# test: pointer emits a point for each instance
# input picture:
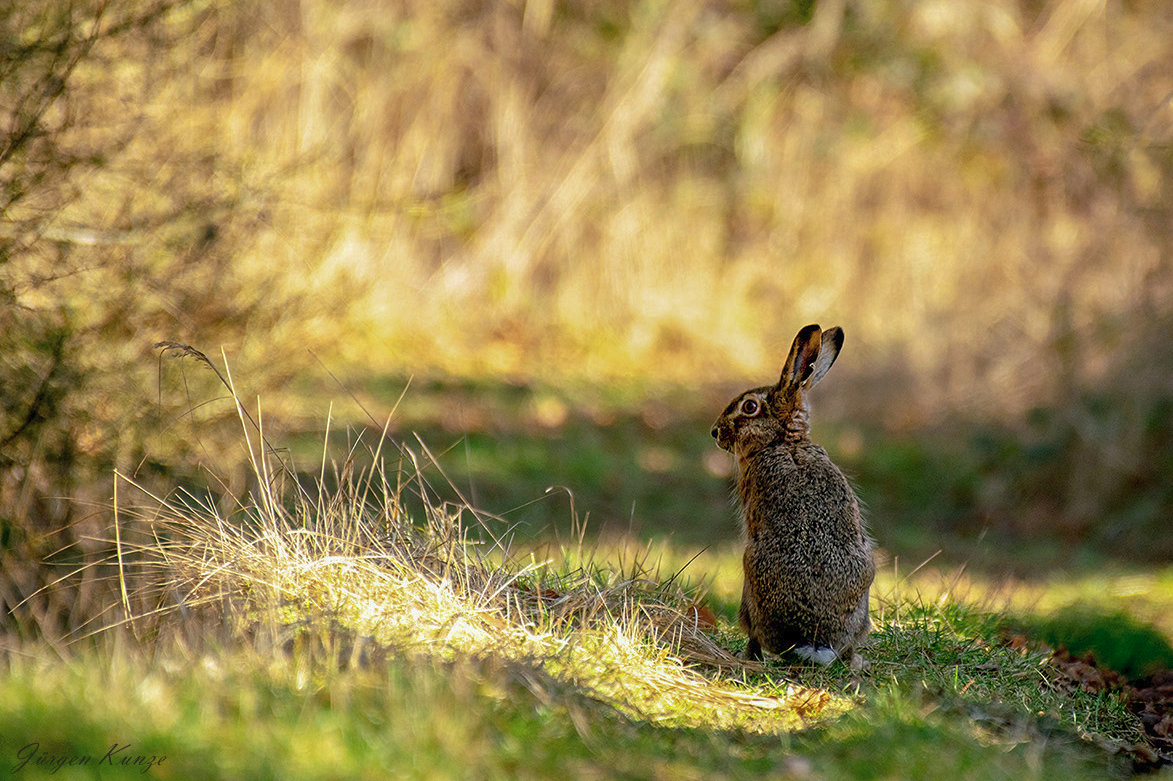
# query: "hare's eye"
(750, 407)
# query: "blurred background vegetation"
(572, 230)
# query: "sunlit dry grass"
(300, 566)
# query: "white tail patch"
(820, 655)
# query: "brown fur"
(808, 559)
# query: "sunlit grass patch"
(657, 687)
(299, 563)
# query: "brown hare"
(808, 559)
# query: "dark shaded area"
(1150, 698)
(543, 459)
(1117, 640)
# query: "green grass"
(1116, 638)
(234, 713)
(332, 635)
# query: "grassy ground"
(329, 633)
(233, 714)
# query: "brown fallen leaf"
(702, 615)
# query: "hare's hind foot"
(753, 651)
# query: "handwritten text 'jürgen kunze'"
(117, 756)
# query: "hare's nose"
(713, 431)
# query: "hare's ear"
(832, 344)
(801, 361)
